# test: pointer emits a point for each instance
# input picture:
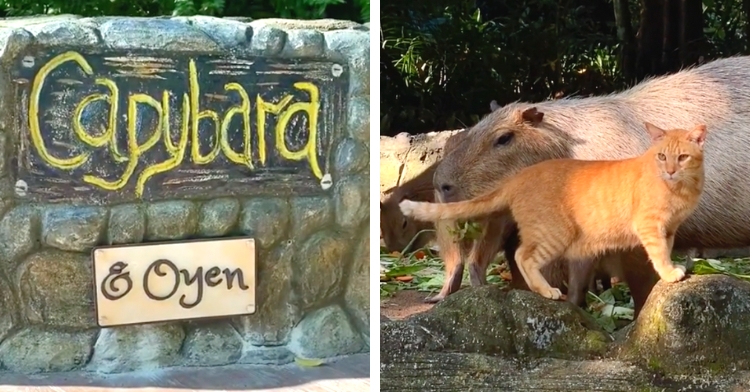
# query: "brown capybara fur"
(398, 230)
(716, 94)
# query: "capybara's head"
(505, 141)
(398, 230)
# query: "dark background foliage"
(443, 61)
(356, 10)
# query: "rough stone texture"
(352, 201)
(358, 124)
(476, 372)
(701, 323)
(304, 44)
(358, 299)
(275, 314)
(39, 349)
(127, 224)
(267, 40)
(325, 333)
(171, 220)
(155, 34)
(306, 242)
(350, 157)
(74, 229)
(63, 32)
(56, 289)
(256, 355)
(489, 320)
(19, 234)
(9, 311)
(212, 344)
(218, 217)
(319, 268)
(227, 33)
(141, 347)
(265, 219)
(404, 156)
(310, 214)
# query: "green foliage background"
(357, 10)
(443, 61)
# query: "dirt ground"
(403, 304)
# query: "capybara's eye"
(683, 157)
(504, 139)
(405, 223)
(662, 157)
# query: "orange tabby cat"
(577, 209)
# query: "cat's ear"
(655, 132)
(529, 116)
(494, 106)
(697, 135)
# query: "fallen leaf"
(396, 253)
(405, 279)
(308, 362)
(506, 276)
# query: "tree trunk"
(625, 34)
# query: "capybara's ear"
(529, 116)
(698, 135)
(655, 132)
(494, 106)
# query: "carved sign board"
(112, 126)
(145, 283)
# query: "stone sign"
(115, 126)
(137, 284)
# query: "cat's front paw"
(676, 275)
(408, 207)
(553, 293)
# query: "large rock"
(701, 323)
(218, 217)
(127, 224)
(142, 347)
(171, 220)
(319, 268)
(266, 220)
(19, 234)
(211, 344)
(56, 289)
(325, 333)
(275, 314)
(39, 349)
(358, 287)
(490, 320)
(76, 229)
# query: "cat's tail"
(479, 206)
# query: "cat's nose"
(670, 171)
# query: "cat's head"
(678, 152)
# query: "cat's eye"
(683, 157)
(504, 139)
(662, 157)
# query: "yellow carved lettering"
(263, 108)
(35, 132)
(135, 150)
(176, 152)
(244, 110)
(309, 151)
(110, 134)
(197, 115)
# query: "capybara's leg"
(450, 252)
